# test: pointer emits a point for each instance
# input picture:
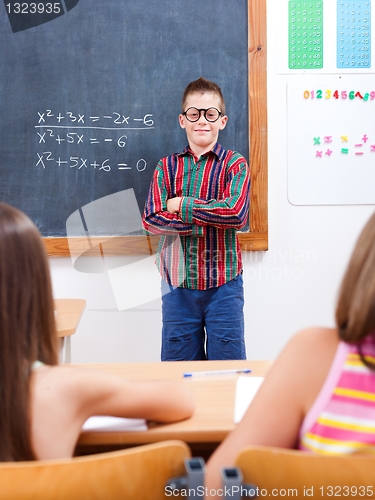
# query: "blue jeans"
(203, 324)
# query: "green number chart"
(306, 34)
(354, 34)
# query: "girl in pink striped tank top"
(342, 418)
(319, 395)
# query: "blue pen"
(217, 372)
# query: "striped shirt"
(199, 247)
(342, 418)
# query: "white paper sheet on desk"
(246, 388)
(114, 424)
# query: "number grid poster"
(324, 36)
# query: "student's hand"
(173, 205)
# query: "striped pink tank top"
(342, 418)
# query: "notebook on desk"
(114, 424)
(246, 388)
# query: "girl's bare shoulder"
(316, 340)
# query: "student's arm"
(231, 210)
(278, 409)
(157, 217)
(100, 393)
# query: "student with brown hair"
(200, 198)
(319, 395)
(43, 405)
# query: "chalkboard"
(90, 94)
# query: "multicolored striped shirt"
(342, 418)
(199, 246)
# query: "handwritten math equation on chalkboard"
(54, 130)
(311, 24)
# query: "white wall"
(291, 286)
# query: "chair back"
(306, 474)
(134, 474)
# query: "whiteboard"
(331, 141)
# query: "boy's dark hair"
(201, 86)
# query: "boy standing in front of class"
(198, 200)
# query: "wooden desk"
(213, 417)
(68, 313)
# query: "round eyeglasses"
(210, 114)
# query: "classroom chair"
(292, 473)
(134, 474)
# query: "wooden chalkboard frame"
(257, 237)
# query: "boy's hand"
(173, 205)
